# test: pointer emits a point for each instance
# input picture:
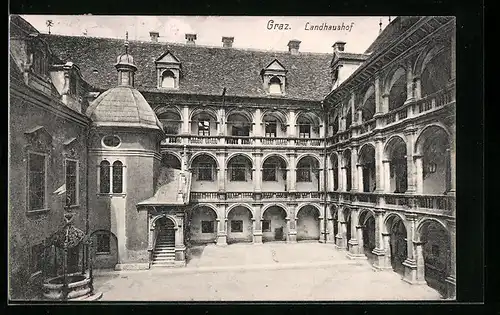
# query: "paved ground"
(269, 272)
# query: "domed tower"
(123, 160)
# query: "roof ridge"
(190, 45)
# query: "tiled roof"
(351, 56)
(122, 107)
(205, 70)
(22, 24)
(395, 29)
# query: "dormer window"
(168, 69)
(274, 86)
(168, 79)
(274, 78)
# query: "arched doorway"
(239, 171)
(240, 225)
(202, 225)
(367, 220)
(204, 123)
(396, 154)
(308, 223)
(367, 162)
(274, 224)
(165, 232)
(398, 243)
(239, 124)
(437, 254)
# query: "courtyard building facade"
(178, 145)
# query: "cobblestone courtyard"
(286, 272)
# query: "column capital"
(360, 226)
(385, 234)
(419, 243)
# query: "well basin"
(78, 286)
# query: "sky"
(248, 31)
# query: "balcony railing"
(274, 141)
(308, 142)
(203, 140)
(196, 196)
(368, 126)
(435, 100)
(275, 195)
(432, 202)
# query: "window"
(117, 177)
(274, 86)
(203, 128)
(237, 226)
(103, 243)
(304, 131)
(71, 182)
(104, 177)
(205, 172)
(242, 130)
(270, 128)
(207, 226)
(238, 172)
(36, 179)
(168, 79)
(266, 226)
(304, 174)
(36, 258)
(269, 173)
(111, 141)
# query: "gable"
(167, 58)
(275, 65)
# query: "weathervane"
(49, 23)
(126, 42)
(380, 26)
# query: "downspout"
(325, 171)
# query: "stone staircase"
(164, 252)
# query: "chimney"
(190, 38)
(154, 36)
(293, 46)
(227, 42)
(338, 46)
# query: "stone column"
(340, 176)
(292, 173)
(419, 174)
(414, 266)
(331, 236)
(378, 97)
(322, 229)
(352, 105)
(257, 223)
(321, 173)
(257, 181)
(360, 117)
(180, 248)
(361, 248)
(385, 103)
(343, 234)
(343, 178)
(379, 165)
(287, 220)
(354, 241)
(257, 122)
(221, 232)
(418, 88)
(382, 249)
(359, 171)
(354, 171)
(329, 180)
(387, 176)
(291, 124)
(410, 166)
(409, 83)
(185, 120)
(221, 176)
(291, 224)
